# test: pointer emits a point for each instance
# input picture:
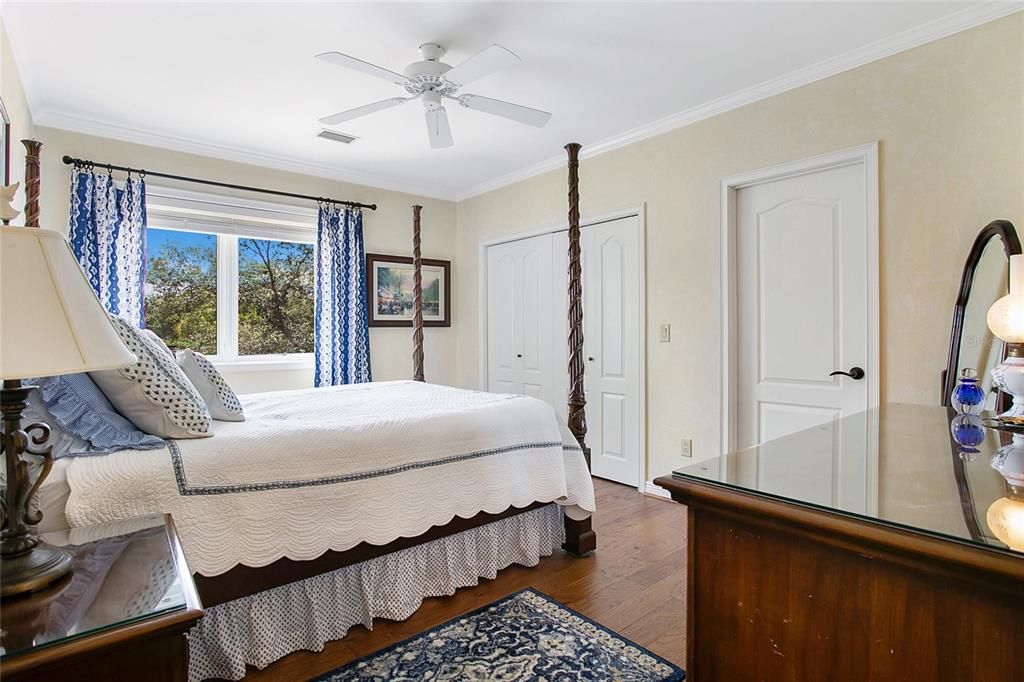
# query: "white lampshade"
(50, 320)
(1006, 521)
(1006, 316)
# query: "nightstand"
(122, 613)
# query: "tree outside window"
(181, 289)
(274, 291)
(275, 297)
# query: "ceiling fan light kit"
(432, 81)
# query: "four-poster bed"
(245, 582)
(580, 538)
(417, 298)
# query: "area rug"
(525, 636)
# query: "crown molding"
(940, 28)
(49, 118)
(948, 25)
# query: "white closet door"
(519, 317)
(502, 364)
(611, 318)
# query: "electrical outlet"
(686, 449)
(665, 333)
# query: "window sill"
(265, 363)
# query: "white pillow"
(153, 338)
(154, 394)
(220, 399)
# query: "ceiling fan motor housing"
(431, 100)
(428, 75)
(432, 51)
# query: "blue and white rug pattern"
(525, 636)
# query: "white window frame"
(227, 219)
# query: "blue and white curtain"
(341, 325)
(108, 237)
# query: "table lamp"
(50, 323)
(1005, 516)
(1006, 320)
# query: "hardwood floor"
(635, 584)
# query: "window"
(275, 297)
(181, 289)
(230, 280)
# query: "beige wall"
(949, 117)
(950, 123)
(13, 97)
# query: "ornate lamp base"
(32, 570)
(26, 564)
(1008, 377)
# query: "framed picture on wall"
(389, 291)
(5, 146)
(5, 149)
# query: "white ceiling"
(239, 80)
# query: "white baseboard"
(656, 490)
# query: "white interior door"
(802, 304)
(611, 320)
(519, 320)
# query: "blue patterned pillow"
(75, 405)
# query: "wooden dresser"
(859, 550)
(122, 614)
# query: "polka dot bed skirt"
(261, 628)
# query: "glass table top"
(122, 572)
(897, 465)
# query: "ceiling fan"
(433, 81)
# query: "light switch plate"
(686, 448)
(665, 333)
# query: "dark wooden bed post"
(32, 182)
(417, 298)
(579, 535)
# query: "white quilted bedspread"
(325, 469)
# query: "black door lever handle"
(855, 373)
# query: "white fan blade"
(438, 130)
(364, 67)
(516, 112)
(350, 114)
(482, 64)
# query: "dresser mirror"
(985, 279)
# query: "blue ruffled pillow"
(83, 420)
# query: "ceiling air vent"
(336, 137)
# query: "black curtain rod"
(111, 167)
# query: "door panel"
(502, 372)
(801, 282)
(519, 319)
(798, 339)
(778, 419)
(613, 361)
(534, 345)
(534, 391)
(611, 321)
(613, 425)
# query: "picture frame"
(389, 281)
(5, 146)
(5, 149)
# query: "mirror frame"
(1005, 230)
